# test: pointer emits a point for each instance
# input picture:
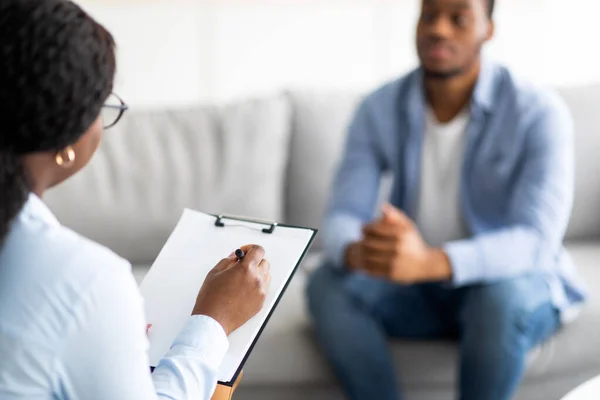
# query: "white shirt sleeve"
(106, 355)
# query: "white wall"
(180, 52)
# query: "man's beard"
(444, 75)
(457, 71)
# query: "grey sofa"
(274, 158)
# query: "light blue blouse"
(72, 323)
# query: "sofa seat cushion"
(139, 272)
(287, 352)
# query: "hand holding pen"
(236, 289)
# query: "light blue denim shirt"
(517, 179)
(72, 323)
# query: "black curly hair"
(57, 68)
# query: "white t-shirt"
(439, 211)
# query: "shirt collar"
(483, 95)
(35, 208)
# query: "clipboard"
(197, 243)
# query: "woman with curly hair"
(71, 318)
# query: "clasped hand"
(392, 248)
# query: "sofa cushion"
(575, 350)
(153, 164)
(584, 104)
(319, 128)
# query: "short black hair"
(491, 4)
(57, 67)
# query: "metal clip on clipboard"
(270, 229)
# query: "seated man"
(470, 245)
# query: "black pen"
(239, 253)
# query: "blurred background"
(180, 52)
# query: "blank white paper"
(193, 249)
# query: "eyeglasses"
(113, 110)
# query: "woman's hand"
(235, 291)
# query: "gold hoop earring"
(65, 158)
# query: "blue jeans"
(496, 324)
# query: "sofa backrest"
(319, 125)
(319, 132)
(273, 158)
(155, 163)
(584, 103)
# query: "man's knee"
(504, 307)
